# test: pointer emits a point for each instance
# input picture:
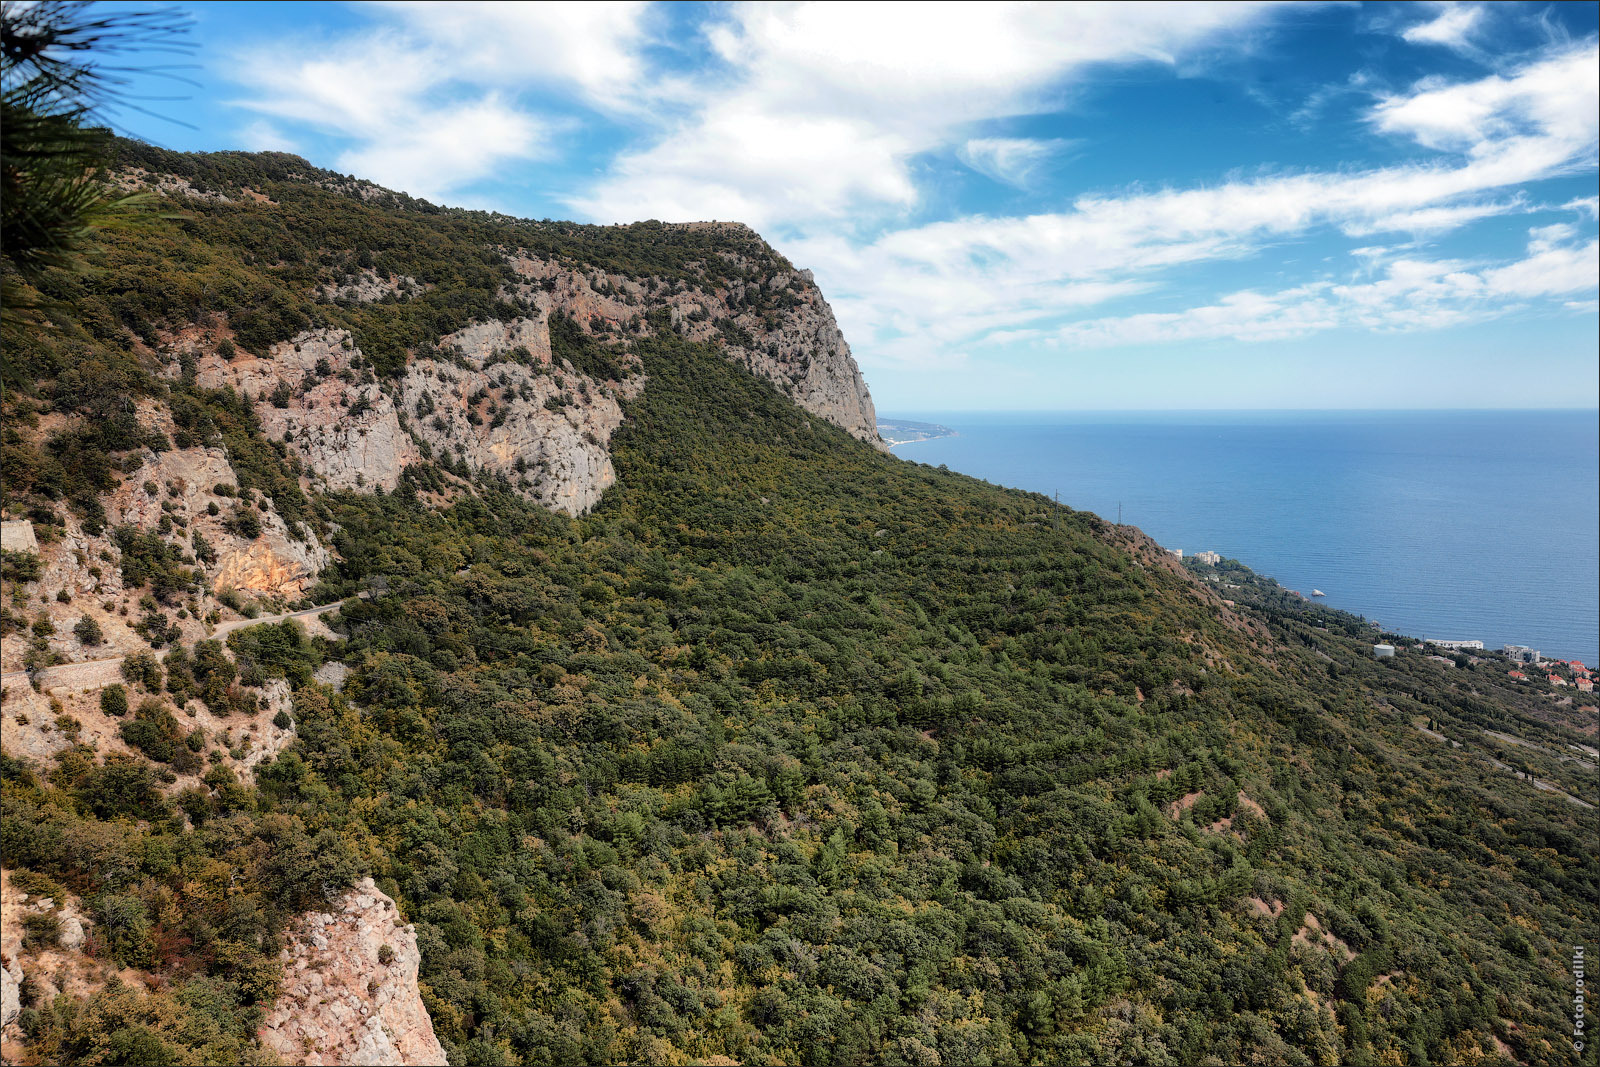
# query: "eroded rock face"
(492, 400)
(170, 494)
(369, 286)
(48, 969)
(309, 393)
(275, 563)
(799, 347)
(341, 1003)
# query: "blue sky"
(1135, 206)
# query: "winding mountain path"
(105, 671)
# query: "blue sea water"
(1447, 525)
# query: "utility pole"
(1119, 513)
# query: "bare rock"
(276, 563)
(798, 348)
(340, 1003)
(369, 286)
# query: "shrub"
(88, 631)
(20, 566)
(40, 928)
(141, 668)
(244, 522)
(114, 699)
(155, 732)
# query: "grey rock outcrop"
(796, 344)
(345, 1000)
(492, 399)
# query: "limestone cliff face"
(778, 326)
(173, 494)
(489, 395)
(345, 999)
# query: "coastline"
(1393, 514)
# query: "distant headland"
(904, 431)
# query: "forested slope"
(788, 751)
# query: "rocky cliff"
(775, 322)
(350, 988)
(489, 396)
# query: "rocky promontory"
(350, 988)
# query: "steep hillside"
(678, 722)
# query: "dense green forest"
(790, 752)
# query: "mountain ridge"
(777, 749)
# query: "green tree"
(56, 89)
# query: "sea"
(1448, 525)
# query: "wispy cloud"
(1411, 295)
(820, 110)
(428, 100)
(1010, 160)
(1454, 27)
(817, 123)
(981, 281)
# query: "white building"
(1383, 651)
(1458, 645)
(1209, 558)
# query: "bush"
(40, 928)
(114, 699)
(141, 668)
(147, 559)
(155, 732)
(88, 631)
(244, 522)
(20, 566)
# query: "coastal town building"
(1517, 676)
(1523, 654)
(1175, 552)
(1209, 558)
(1585, 685)
(1383, 651)
(1458, 645)
(1556, 679)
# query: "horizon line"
(1255, 410)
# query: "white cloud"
(813, 122)
(1010, 160)
(1586, 205)
(979, 281)
(592, 49)
(840, 98)
(453, 147)
(1411, 295)
(1553, 98)
(428, 101)
(263, 136)
(1553, 267)
(1434, 219)
(1452, 28)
